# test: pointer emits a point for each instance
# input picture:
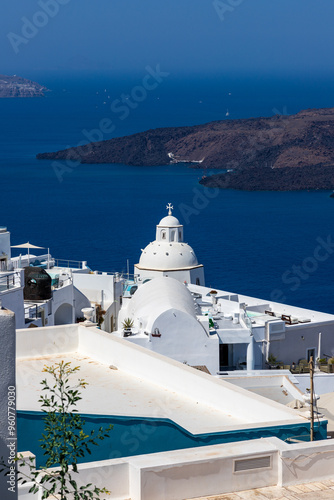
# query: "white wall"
(5, 244)
(181, 474)
(294, 347)
(60, 297)
(306, 462)
(184, 339)
(102, 289)
(267, 381)
(323, 382)
(80, 301)
(7, 397)
(92, 284)
(210, 470)
(46, 341)
(188, 275)
(13, 300)
(201, 472)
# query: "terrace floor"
(320, 490)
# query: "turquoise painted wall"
(137, 436)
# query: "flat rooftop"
(116, 392)
(301, 314)
(129, 380)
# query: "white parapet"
(8, 448)
(209, 470)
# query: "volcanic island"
(279, 153)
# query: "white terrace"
(126, 379)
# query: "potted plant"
(127, 325)
(321, 362)
(331, 365)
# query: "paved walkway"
(320, 490)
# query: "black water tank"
(37, 284)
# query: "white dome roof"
(163, 256)
(159, 295)
(169, 221)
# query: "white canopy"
(26, 245)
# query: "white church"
(168, 309)
(169, 255)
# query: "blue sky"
(183, 36)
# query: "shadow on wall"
(64, 315)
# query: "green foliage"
(127, 323)
(64, 441)
(331, 361)
(272, 359)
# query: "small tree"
(64, 441)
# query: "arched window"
(197, 281)
(163, 235)
(173, 236)
(180, 236)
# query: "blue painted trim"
(142, 435)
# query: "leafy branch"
(63, 441)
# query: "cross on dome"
(169, 208)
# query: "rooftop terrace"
(125, 379)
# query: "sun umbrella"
(28, 246)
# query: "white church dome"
(169, 221)
(169, 255)
(159, 295)
(165, 256)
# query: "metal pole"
(312, 398)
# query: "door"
(223, 355)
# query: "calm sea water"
(248, 241)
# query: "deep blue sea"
(257, 243)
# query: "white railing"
(9, 281)
(24, 261)
(72, 264)
(62, 281)
(31, 312)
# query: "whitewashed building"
(65, 300)
(221, 330)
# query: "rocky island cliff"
(15, 86)
(280, 152)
